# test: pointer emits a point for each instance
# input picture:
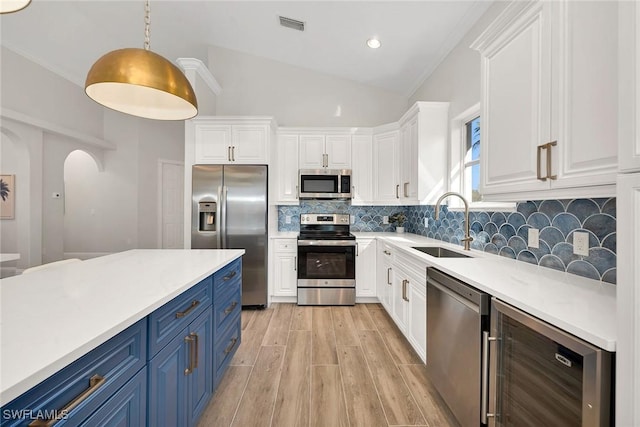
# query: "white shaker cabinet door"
(365, 271)
(386, 186)
(361, 174)
(250, 144)
(285, 273)
(212, 143)
(629, 89)
(338, 151)
(311, 152)
(516, 90)
(417, 317)
(287, 169)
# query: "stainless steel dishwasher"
(457, 316)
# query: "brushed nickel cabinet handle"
(227, 350)
(230, 308)
(397, 191)
(181, 314)
(189, 339)
(406, 191)
(230, 276)
(388, 275)
(95, 382)
(548, 147)
(539, 149)
(233, 153)
(387, 252)
(406, 294)
(229, 153)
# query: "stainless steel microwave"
(325, 184)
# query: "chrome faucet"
(467, 238)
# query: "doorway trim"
(161, 163)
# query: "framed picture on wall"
(7, 196)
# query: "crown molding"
(194, 64)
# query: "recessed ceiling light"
(373, 43)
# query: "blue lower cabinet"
(128, 407)
(180, 376)
(77, 391)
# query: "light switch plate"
(533, 240)
(426, 222)
(352, 219)
(385, 219)
(287, 219)
(581, 243)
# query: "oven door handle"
(326, 242)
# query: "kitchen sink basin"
(440, 252)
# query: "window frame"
(457, 164)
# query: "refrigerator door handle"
(218, 218)
(223, 225)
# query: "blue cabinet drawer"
(225, 347)
(85, 384)
(128, 407)
(227, 308)
(174, 316)
(230, 275)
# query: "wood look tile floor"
(324, 366)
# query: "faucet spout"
(467, 237)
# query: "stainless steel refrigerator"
(229, 211)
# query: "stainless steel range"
(326, 260)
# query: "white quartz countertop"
(50, 318)
(583, 307)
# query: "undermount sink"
(440, 252)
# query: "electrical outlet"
(426, 222)
(352, 219)
(287, 219)
(533, 240)
(385, 219)
(581, 243)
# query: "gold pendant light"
(9, 6)
(141, 83)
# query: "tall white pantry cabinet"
(628, 218)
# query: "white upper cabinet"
(220, 140)
(549, 101)
(286, 170)
(629, 87)
(361, 170)
(325, 151)
(386, 176)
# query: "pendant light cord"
(147, 24)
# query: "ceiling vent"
(291, 23)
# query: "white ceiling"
(68, 36)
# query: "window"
(471, 161)
(465, 162)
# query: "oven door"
(326, 263)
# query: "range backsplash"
(502, 233)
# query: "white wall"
(457, 78)
(296, 96)
(126, 186)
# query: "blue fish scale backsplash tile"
(501, 233)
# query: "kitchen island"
(50, 318)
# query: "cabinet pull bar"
(230, 276)
(181, 314)
(233, 153)
(357, 251)
(189, 339)
(197, 349)
(295, 263)
(388, 275)
(230, 308)
(229, 153)
(387, 252)
(95, 382)
(406, 192)
(397, 191)
(549, 153)
(539, 149)
(227, 350)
